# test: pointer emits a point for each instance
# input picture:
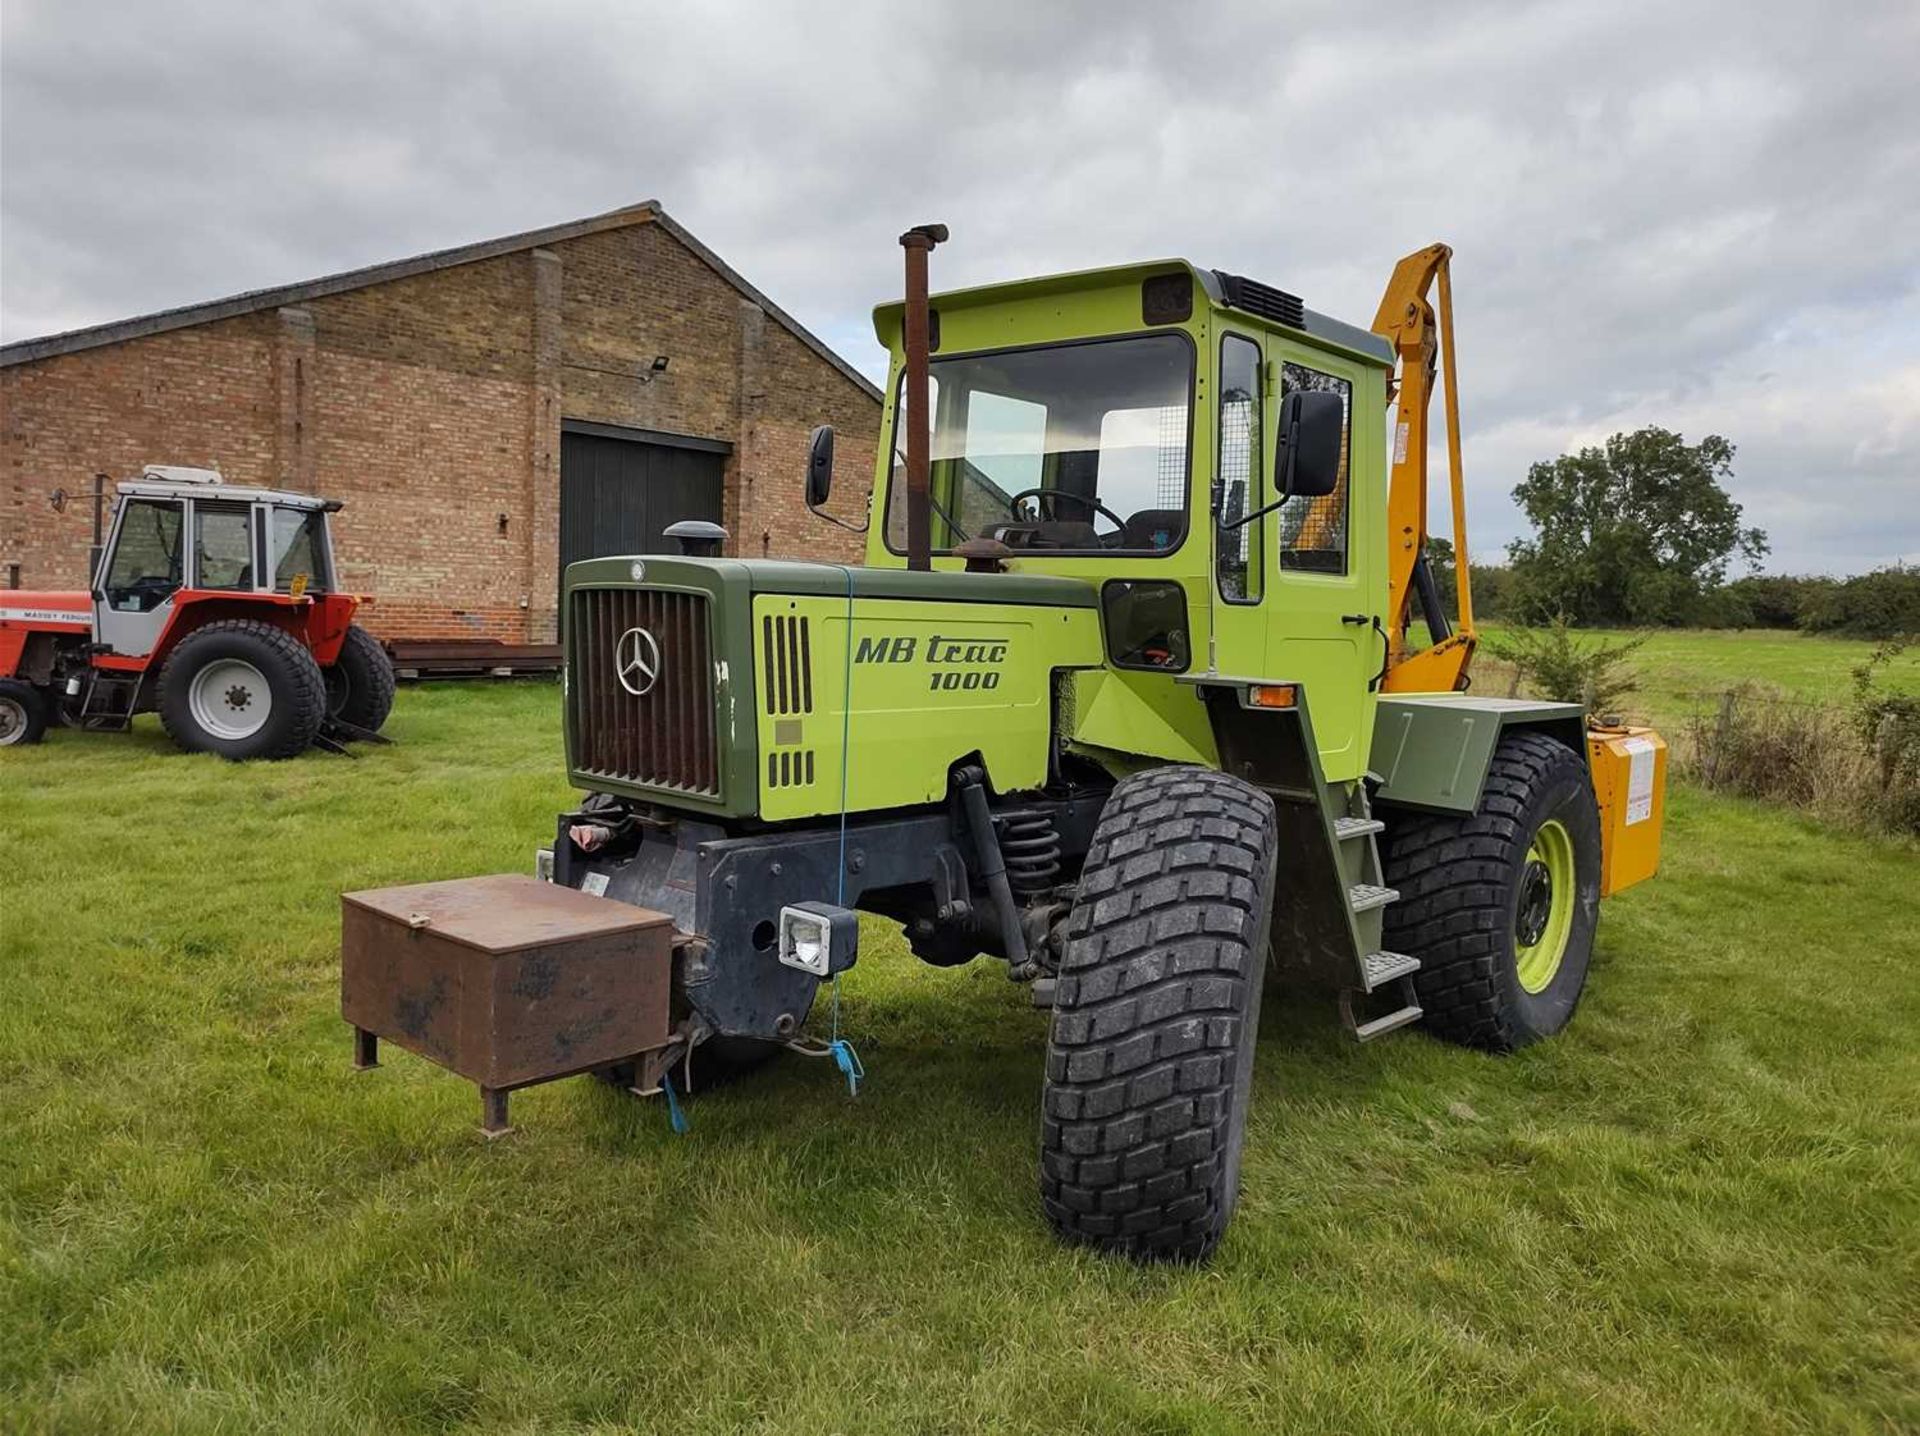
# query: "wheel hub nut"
(1536, 903)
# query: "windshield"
(1072, 448)
(300, 550)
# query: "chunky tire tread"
(1454, 876)
(1154, 1015)
(305, 695)
(33, 707)
(369, 681)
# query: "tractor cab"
(180, 534)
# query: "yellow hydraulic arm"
(1407, 321)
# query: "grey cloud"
(1652, 205)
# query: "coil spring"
(1031, 849)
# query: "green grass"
(1695, 1211)
(1682, 671)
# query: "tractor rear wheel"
(23, 713)
(242, 689)
(1155, 1011)
(1500, 906)
(360, 682)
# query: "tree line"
(1640, 532)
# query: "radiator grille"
(662, 738)
(786, 648)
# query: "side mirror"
(819, 466)
(1306, 456)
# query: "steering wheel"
(150, 590)
(1039, 491)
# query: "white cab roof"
(160, 482)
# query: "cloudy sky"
(1700, 215)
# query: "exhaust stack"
(918, 243)
(94, 550)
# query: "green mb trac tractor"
(1144, 689)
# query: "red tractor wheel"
(242, 689)
(23, 713)
(360, 682)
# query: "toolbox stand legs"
(493, 1112)
(493, 1100)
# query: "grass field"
(1683, 671)
(1696, 1211)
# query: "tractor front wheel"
(242, 689)
(23, 713)
(1500, 906)
(1155, 1011)
(360, 682)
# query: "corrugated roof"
(26, 351)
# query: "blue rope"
(844, 1057)
(675, 1117)
(848, 1061)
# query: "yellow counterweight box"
(1630, 784)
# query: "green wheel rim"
(1543, 913)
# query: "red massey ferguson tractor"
(214, 605)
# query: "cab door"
(139, 575)
(1242, 451)
(1323, 612)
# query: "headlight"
(818, 937)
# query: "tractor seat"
(1154, 528)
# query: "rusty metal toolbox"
(506, 980)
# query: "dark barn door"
(618, 494)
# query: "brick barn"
(487, 414)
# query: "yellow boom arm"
(1407, 321)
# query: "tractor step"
(1366, 1024)
(1383, 967)
(1381, 1026)
(1364, 897)
(106, 703)
(1346, 829)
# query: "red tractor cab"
(214, 605)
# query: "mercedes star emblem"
(636, 661)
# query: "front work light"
(818, 937)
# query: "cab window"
(1238, 487)
(1071, 448)
(1313, 531)
(223, 545)
(146, 556)
(1006, 439)
(298, 550)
